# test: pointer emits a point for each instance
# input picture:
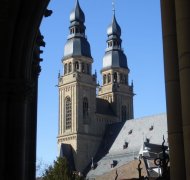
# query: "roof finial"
(113, 7)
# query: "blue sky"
(140, 22)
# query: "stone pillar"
(19, 129)
(173, 98)
(118, 77)
(73, 67)
(112, 77)
(80, 66)
(183, 39)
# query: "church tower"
(77, 95)
(116, 88)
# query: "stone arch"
(21, 41)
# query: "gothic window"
(123, 113)
(104, 79)
(68, 116)
(109, 78)
(83, 68)
(77, 65)
(70, 67)
(65, 69)
(85, 107)
(72, 31)
(115, 77)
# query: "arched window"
(65, 69)
(85, 107)
(104, 79)
(76, 65)
(88, 68)
(123, 113)
(115, 77)
(68, 113)
(70, 67)
(126, 79)
(109, 78)
(83, 69)
(77, 30)
(121, 78)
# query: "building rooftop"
(128, 139)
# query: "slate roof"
(114, 58)
(77, 46)
(134, 133)
(114, 28)
(77, 14)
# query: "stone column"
(80, 66)
(112, 77)
(18, 102)
(183, 39)
(118, 77)
(73, 67)
(173, 98)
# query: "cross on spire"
(113, 6)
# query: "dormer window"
(151, 128)
(125, 146)
(130, 132)
(113, 163)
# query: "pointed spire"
(77, 14)
(114, 28)
(77, 44)
(114, 56)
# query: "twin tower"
(83, 115)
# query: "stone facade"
(83, 116)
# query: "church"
(83, 115)
(20, 69)
(87, 109)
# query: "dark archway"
(20, 41)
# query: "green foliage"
(60, 171)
